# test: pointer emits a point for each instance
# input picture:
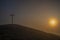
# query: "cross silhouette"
(12, 15)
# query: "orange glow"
(53, 22)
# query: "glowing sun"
(53, 22)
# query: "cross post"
(12, 15)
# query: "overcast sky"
(34, 14)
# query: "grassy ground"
(18, 32)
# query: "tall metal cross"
(12, 15)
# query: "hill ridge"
(14, 31)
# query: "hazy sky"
(34, 14)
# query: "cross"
(12, 15)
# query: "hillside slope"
(18, 32)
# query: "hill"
(18, 32)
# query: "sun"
(53, 22)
